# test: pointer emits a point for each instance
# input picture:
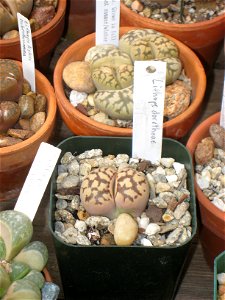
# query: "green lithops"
(21, 261)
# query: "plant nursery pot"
(44, 39)
(219, 267)
(80, 124)
(16, 159)
(205, 37)
(213, 219)
(121, 271)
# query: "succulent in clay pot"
(21, 261)
(9, 10)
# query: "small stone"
(71, 235)
(217, 133)
(12, 34)
(59, 226)
(171, 178)
(81, 226)
(204, 151)
(6, 141)
(121, 158)
(152, 229)
(180, 210)
(93, 235)
(20, 133)
(162, 187)
(186, 219)
(168, 216)
(73, 167)
(143, 222)
(26, 104)
(67, 158)
(219, 203)
(146, 242)
(61, 204)
(9, 114)
(77, 75)
(64, 216)
(173, 236)
(24, 124)
(40, 103)
(70, 181)
(98, 222)
(126, 230)
(178, 167)
(154, 213)
(77, 97)
(50, 291)
(202, 181)
(107, 239)
(90, 100)
(90, 154)
(43, 15)
(221, 278)
(37, 120)
(138, 6)
(167, 162)
(85, 169)
(83, 240)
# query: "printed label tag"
(222, 114)
(27, 53)
(148, 98)
(37, 179)
(107, 22)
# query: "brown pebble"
(9, 114)
(172, 204)
(8, 141)
(82, 215)
(11, 34)
(154, 213)
(37, 121)
(26, 87)
(24, 124)
(143, 165)
(26, 104)
(20, 133)
(107, 239)
(204, 151)
(40, 103)
(82, 109)
(217, 133)
(138, 6)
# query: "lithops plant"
(108, 192)
(9, 10)
(21, 261)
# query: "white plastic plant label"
(148, 98)
(222, 114)
(37, 179)
(107, 22)
(27, 52)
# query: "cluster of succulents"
(22, 111)
(21, 261)
(39, 12)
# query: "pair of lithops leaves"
(109, 192)
(21, 261)
(9, 10)
(112, 68)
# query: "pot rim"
(51, 114)
(63, 102)
(61, 10)
(174, 26)
(191, 145)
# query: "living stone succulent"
(9, 10)
(21, 261)
(108, 192)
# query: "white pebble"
(167, 162)
(202, 182)
(221, 278)
(146, 242)
(171, 178)
(77, 97)
(143, 222)
(219, 203)
(80, 225)
(178, 167)
(152, 229)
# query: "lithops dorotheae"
(106, 192)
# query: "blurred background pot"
(16, 160)
(80, 124)
(205, 37)
(44, 40)
(219, 267)
(213, 219)
(121, 271)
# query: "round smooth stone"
(126, 230)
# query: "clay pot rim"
(62, 100)
(57, 18)
(174, 26)
(191, 145)
(51, 113)
(47, 275)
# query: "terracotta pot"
(44, 39)
(205, 38)
(16, 159)
(213, 219)
(83, 125)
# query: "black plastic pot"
(114, 272)
(219, 267)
